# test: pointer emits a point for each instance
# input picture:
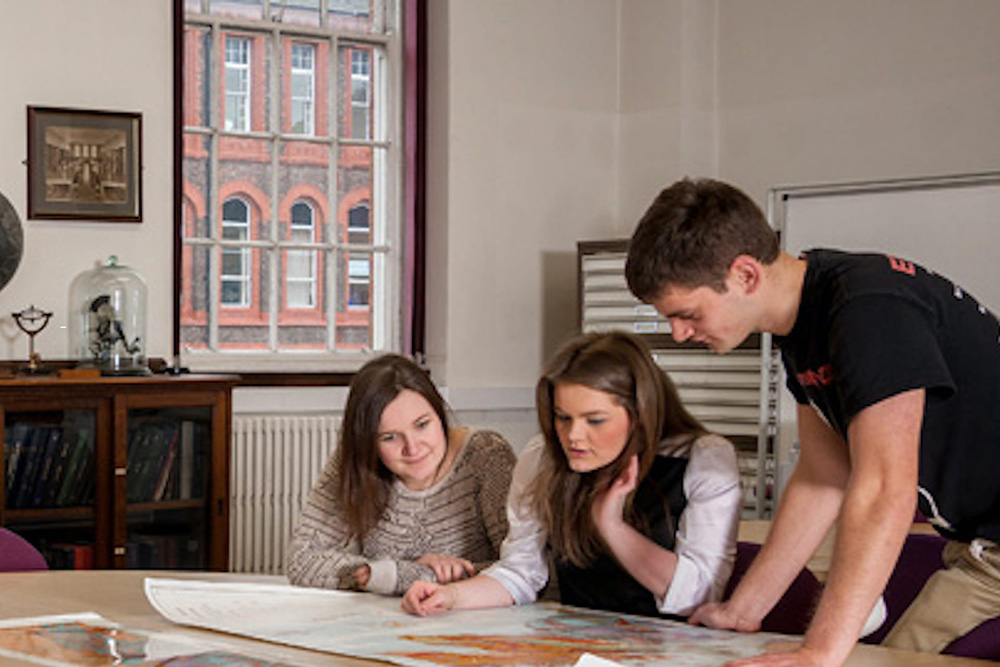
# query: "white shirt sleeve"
(706, 536)
(382, 577)
(522, 568)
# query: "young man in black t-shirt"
(896, 371)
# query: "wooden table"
(118, 596)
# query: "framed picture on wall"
(84, 165)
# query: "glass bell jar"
(108, 319)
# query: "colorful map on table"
(91, 640)
(370, 626)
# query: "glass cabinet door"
(49, 469)
(166, 488)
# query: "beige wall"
(551, 121)
(668, 112)
(523, 108)
(857, 90)
(103, 54)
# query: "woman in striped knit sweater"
(634, 500)
(404, 498)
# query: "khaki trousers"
(953, 601)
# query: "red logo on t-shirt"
(820, 377)
(901, 265)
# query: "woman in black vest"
(625, 494)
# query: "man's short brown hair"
(691, 234)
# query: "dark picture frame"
(84, 164)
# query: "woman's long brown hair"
(620, 365)
(363, 483)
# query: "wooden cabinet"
(734, 394)
(118, 472)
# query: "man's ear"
(746, 273)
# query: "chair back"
(918, 560)
(17, 554)
(793, 612)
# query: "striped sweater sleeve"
(321, 553)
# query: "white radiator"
(275, 462)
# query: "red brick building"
(282, 155)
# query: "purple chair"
(918, 560)
(18, 555)
(796, 607)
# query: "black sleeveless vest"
(604, 584)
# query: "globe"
(11, 241)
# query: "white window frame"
(386, 196)
(238, 100)
(305, 103)
(361, 73)
(357, 229)
(244, 230)
(308, 231)
(359, 271)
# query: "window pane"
(232, 264)
(301, 86)
(233, 293)
(302, 56)
(237, 84)
(248, 9)
(359, 280)
(300, 278)
(300, 265)
(358, 219)
(302, 89)
(356, 15)
(302, 215)
(235, 211)
(246, 285)
(300, 12)
(350, 7)
(356, 62)
(299, 295)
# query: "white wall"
(668, 106)
(523, 108)
(101, 54)
(816, 92)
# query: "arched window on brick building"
(300, 268)
(236, 279)
(359, 264)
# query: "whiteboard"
(948, 224)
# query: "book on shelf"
(83, 488)
(153, 456)
(67, 442)
(166, 552)
(53, 465)
(185, 483)
(15, 440)
(135, 460)
(70, 556)
(24, 485)
(44, 477)
(167, 465)
(48, 465)
(78, 465)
